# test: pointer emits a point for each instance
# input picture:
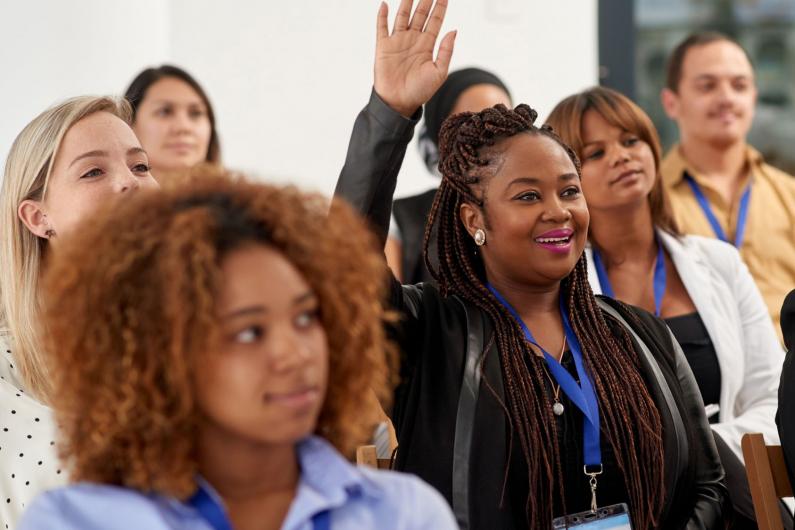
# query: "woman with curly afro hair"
(213, 348)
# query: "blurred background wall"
(286, 78)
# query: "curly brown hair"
(130, 307)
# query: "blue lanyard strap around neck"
(660, 279)
(209, 509)
(742, 214)
(213, 513)
(582, 395)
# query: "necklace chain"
(557, 408)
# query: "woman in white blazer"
(700, 286)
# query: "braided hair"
(629, 418)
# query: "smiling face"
(535, 216)
(267, 381)
(618, 167)
(174, 126)
(99, 161)
(714, 102)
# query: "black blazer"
(451, 430)
(785, 418)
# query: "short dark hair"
(136, 93)
(673, 74)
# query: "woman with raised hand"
(175, 121)
(523, 397)
(699, 286)
(469, 89)
(207, 375)
(72, 158)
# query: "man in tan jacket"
(719, 186)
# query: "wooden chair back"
(367, 456)
(767, 478)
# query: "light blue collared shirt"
(356, 497)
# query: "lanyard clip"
(592, 472)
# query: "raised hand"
(406, 76)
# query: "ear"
(670, 102)
(32, 215)
(472, 217)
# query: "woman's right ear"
(32, 215)
(471, 217)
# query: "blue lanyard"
(742, 214)
(660, 280)
(214, 514)
(582, 395)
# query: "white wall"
(51, 50)
(286, 78)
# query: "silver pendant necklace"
(557, 408)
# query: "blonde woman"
(70, 159)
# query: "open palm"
(406, 75)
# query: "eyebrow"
(597, 142)
(536, 181)
(258, 309)
(709, 77)
(172, 102)
(101, 153)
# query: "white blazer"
(736, 318)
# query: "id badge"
(615, 517)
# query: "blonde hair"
(27, 174)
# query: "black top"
(411, 213)
(610, 484)
(691, 334)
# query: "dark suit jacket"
(785, 419)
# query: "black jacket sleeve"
(367, 182)
(696, 493)
(710, 490)
(375, 152)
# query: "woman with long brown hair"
(699, 286)
(524, 398)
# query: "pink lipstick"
(558, 241)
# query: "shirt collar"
(327, 481)
(674, 165)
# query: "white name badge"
(615, 517)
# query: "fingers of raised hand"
(445, 53)
(434, 25)
(381, 25)
(402, 17)
(421, 15)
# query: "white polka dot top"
(28, 461)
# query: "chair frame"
(767, 478)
